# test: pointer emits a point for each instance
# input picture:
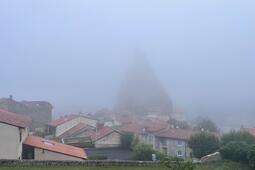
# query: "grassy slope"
(210, 166)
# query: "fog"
(75, 54)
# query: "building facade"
(13, 132)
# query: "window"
(179, 153)
(179, 143)
(20, 135)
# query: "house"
(74, 136)
(13, 132)
(59, 126)
(107, 137)
(145, 130)
(38, 148)
(100, 137)
(174, 142)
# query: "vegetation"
(205, 124)
(126, 140)
(173, 163)
(235, 151)
(251, 156)
(203, 143)
(237, 136)
(98, 157)
(223, 165)
(143, 152)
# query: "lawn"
(210, 166)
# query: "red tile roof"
(131, 128)
(148, 125)
(249, 130)
(62, 120)
(77, 129)
(172, 133)
(104, 132)
(99, 134)
(53, 146)
(14, 119)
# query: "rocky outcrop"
(141, 92)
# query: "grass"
(209, 166)
(226, 165)
(82, 168)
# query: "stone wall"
(77, 163)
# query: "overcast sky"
(74, 54)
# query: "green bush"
(235, 151)
(237, 136)
(251, 156)
(178, 164)
(206, 124)
(98, 157)
(134, 142)
(143, 152)
(126, 140)
(160, 156)
(203, 143)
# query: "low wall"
(77, 163)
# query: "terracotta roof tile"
(14, 119)
(148, 125)
(175, 133)
(53, 146)
(249, 130)
(99, 134)
(131, 128)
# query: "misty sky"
(75, 54)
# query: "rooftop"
(14, 119)
(182, 134)
(53, 146)
(249, 130)
(77, 129)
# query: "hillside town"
(82, 136)
(143, 116)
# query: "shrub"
(205, 124)
(98, 157)
(251, 156)
(160, 156)
(203, 143)
(143, 152)
(126, 140)
(237, 136)
(235, 151)
(134, 142)
(178, 164)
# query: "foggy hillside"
(76, 55)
